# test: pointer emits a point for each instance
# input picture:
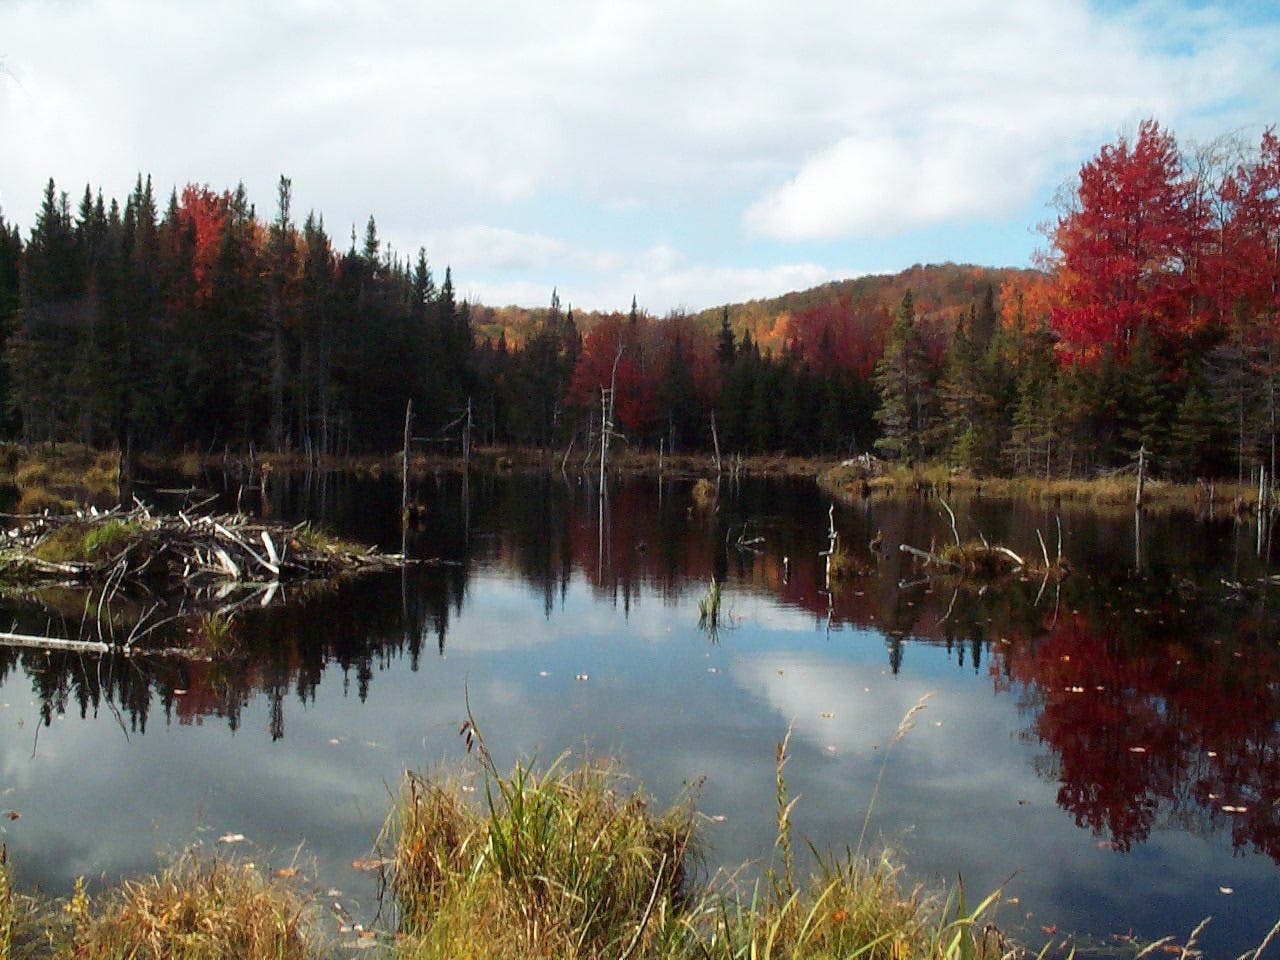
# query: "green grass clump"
(709, 607)
(564, 863)
(109, 537)
(194, 910)
(316, 540)
(86, 542)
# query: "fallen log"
(53, 643)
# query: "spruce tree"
(902, 381)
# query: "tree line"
(1150, 323)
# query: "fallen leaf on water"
(286, 872)
(232, 838)
(13, 814)
(827, 715)
(376, 863)
(1051, 929)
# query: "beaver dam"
(199, 568)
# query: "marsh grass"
(196, 909)
(709, 607)
(561, 863)
(1115, 492)
(61, 476)
(567, 863)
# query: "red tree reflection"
(1140, 724)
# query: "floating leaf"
(13, 814)
(374, 863)
(828, 715)
(285, 873)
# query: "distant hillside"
(941, 292)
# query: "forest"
(1149, 322)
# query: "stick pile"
(189, 552)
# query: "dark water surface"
(1108, 748)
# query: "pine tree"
(902, 381)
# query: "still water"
(1106, 748)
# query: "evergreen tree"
(10, 294)
(1144, 404)
(902, 381)
(1034, 436)
(725, 350)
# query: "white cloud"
(708, 128)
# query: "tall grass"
(566, 863)
(561, 863)
(194, 910)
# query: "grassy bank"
(854, 481)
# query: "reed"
(709, 607)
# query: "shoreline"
(73, 475)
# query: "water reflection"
(1144, 697)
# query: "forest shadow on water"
(1105, 744)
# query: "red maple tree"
(1126, 255)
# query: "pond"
(1105, 748)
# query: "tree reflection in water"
(1156, 695)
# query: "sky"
(688, 153)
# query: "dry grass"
(59, 477)
(1103, 493)
(194, 910)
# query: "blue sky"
(689, 153)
